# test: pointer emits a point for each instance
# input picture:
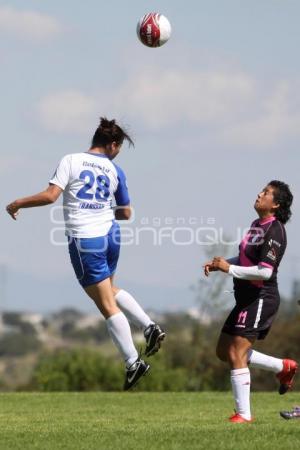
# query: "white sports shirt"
(90, 181)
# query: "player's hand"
(220, 264)
(13, 210)
(208, 267)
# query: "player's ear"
(113, 145)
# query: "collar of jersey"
(100, 155)
(267, 220)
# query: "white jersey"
(90, 181)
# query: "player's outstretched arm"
(50, 195)
(220, 263)
(209, 267)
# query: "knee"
(107, 312)
(236, 358)
(108, 308)
(232, 356)
(115, 290)
(229, 354)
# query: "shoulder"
(277, 225)
(277, 230)
(73, 158)
(66, 159)
(120, 172)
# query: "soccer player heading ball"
(254, 273)
(90, 182)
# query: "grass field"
(143, 421)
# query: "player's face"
(265, 203)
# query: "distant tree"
(18, 344)
(97, 333)
(88, 370)
(15, 319)
(76, 370)
(68, 315)
(12, 318)
(65, 320)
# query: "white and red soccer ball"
(153, 30)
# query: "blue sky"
(215, 114)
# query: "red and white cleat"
(237, 418)
(287, 375)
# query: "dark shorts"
(95, 259)
(252, 320)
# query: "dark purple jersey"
(263, 245)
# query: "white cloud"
(29, 24)
(199, 97)
(67, 111)
(231, 108)
(277, 119)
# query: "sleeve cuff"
(263, 264)
(57, 184)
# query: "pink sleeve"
(264, 264)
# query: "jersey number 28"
(102, 189)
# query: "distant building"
(203, 318)
(89, 321)
(34, 319)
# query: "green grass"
(143, 421)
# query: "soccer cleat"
(237, 418)
(286, 376)
(294, 414)
(134, 373)
(154, 335)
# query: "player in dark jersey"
(254, 273)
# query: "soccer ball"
(153, 30)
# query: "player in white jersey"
(91, 183)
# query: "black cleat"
(154, 335)
(134, 373)
(294, 414)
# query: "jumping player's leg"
(130, 307)
(117, 324)
(94, 261)
(124, 300)
(153, 333)
(234, 350)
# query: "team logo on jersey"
(273, 242)
(271, 254)
(255, 238)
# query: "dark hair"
(109, 131)
(283, 197)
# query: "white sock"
(132, 310)
(240, 381)
(119, 330)
(262, 361)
